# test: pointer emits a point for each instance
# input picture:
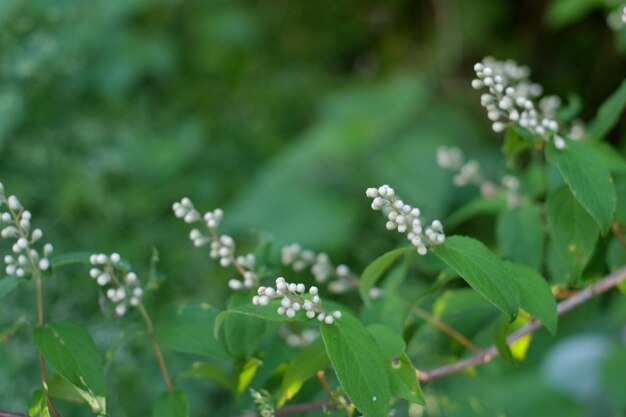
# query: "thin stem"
(445, 328)
(563, 307)
(324, 383)
(157, 348)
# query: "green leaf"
(613, 377)
(561, 13)
(376, 269)
(573, 231)
(520, 234)
(482, 270)
(535, 294)
(588, 179)
(211, 372)
(359, 365)
(37, 405)
(8, 284)
(171, 404)
(241, 334)
(404, 382)
(615, 254)
(500, 331)
(608, 114)
(189, 329)
(246, 370)
(303, 366)
(69, 349)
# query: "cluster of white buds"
(25, 259)
(122, 287)
(292, 299)
(222, 246)
(511, 98)
(469, 172)
(322, 269)
(301, 339)
(405, 219)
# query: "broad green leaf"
(69, 349)
(474, 208)
(240, 332)
(608, 114)
(588, 179)
(520, 234)
(8, 284)
(535, 294)
(303, 366)
(37, 405)
(171, 404)
(189, 329)
(404, 382)
(359, 365)
(376, 269)
(60, 388)
(482, 270)
(573, 231)
(211, 372)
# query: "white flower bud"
(44, 264)
(115, 257)
(120, 309)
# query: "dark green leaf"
(615, 254)
(189, 329)
(240, 333)
(613, 377)
(482, 270)
(404, 382)
(588, 179)
(520, 234)
(376, 269)
(359, 365)
(303, 366)
(8, 284)
(573, 231)
(171, 404)
(612, 159)
(535, 294)
(565, 12)
(69, 349)
(500, 330)
(608, 114)
(211, 372)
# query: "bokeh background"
(281, 113)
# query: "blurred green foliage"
(282, 113)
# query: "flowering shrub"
(359, 356)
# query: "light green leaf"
(520, 234)
(246, 370)
(37, 405)
(211, 372)
(8, 284)
(588, 179)
(171, 404)
(376, 269)
(608, 114)
(189, 329)
(69, 349)
(404, 383)
(359, 365)
(535, 294)
(303, 366)
(573, 231)
(482, 270)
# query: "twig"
(445, 328)
(324, 383)
(563, 307)
(8, 414)
(157, 348)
